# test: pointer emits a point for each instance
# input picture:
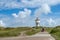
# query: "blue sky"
(15, 13)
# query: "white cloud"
(15, 15)
(12, 5)
(2, 23)
(22, 14)
(40, 2)
(45, 8)
(42, 5)
(26, 3)
(51, 21)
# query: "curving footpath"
(38, 36)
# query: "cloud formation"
(26, 3)
(20, 18)
(22, 14)
(51, 21)
(45, 8)
(2, 23)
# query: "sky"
(14, 13)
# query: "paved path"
(38, 36)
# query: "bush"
(9, 33)
(32, 31)
(56, 32)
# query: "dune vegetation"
(9, 32)
(33, 31)
(56, 32)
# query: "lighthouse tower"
(37, 21)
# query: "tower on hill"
(37, 21)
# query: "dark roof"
(37, 19)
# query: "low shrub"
(33, 31)
(56, 32)
(9, 33)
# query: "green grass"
(9, 32)
(33, 31)
(48, 29)
(56, 32)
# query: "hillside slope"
(56, 32)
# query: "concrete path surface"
(38, 36)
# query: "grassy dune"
(33, 31)
(48, 29)
(9, 32)
(56, 32)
